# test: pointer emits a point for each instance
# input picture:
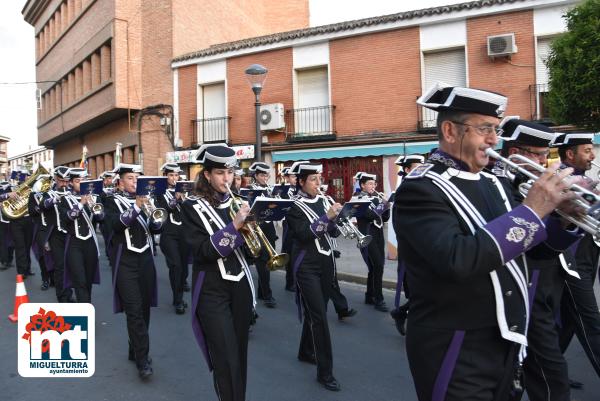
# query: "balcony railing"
(211, 130)
(427, 119)
(538, 95)
(311, 123)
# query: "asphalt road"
(369, 355)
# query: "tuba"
(17, 207)
(255, 237)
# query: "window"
(212, 125)
(446, 66)
(312, 115)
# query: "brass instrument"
(255, 238)
(14, 208)
(155, 214)
(349, 230)
(587, 200)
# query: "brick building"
(348, 89)
(27, 160)
(104, 68)
(3, 156)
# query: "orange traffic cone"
(20, 298)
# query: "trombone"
(255, 237)
(588, 200)
(347, 229)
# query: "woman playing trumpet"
(311, 227)
(223, 294)
(78, 213)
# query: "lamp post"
(256, 75)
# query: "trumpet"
(255, 237)
(95, 207)
(587, 200)
(347, 229)
(155, 214)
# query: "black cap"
(259, 167)
(407, 160)
(77, 173)
(573, 139)
(364, 177)
(525, 132)
(305, 168)
(106, 174)
(170, 168)
(217, 156)
(62, 172)
(442, 97)
(123, 168)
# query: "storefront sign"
(189, 156)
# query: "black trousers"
(579, 315)
(175, 250)
(57, 247)
(483, 371)
(6, 251)
(82, 259)
(546, 373)
(374, 257)
(21, 230)
(264, 275)
(314, 283)
(40, 238)
(224, 310)
(339, 301)
(286, 247)
(135, 284)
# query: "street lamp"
(256, 75)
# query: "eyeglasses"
(482, 130)
(543, 153)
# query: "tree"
(574, 69)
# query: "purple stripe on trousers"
(401, 271)
(196, 325)
(297, 263)
(445, 374)
(535, 276)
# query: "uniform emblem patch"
(516, 234)
(419, 171)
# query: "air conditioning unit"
(501, 45)
(271, 117)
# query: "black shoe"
(45, 285)
(270, 303)
(179, 309)
(131, 357)
(346, 313)
(330, 383)
(381, 306)
(253, 318)
(29, 273)
(186, 287)
(4, 266)
(399, 315)
(575, 384)
(308, 359)
(369, 300)
(290, 288)
(145, 371)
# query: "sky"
(17, 48)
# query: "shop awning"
(354, 151)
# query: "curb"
(353, 278)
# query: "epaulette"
(419, 171)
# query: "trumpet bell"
(364, 241)
(97, 208)
(278, 261)
(158, 215)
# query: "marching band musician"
(39, 246)
(172, 241)
(134, 273)
(238, 173)
(21, 232)
(108, 189)
(261, 172)
(462, 244)
(290, 179)
(81, 245)
(223, 293)
(371, 223)
(579, 308)
(311, 228)
(400, 312)
(57, 233)
(545, 369)
(6, 244)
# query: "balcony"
(211, 130)
(310, 124)
(538, 95)
(427, 119)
